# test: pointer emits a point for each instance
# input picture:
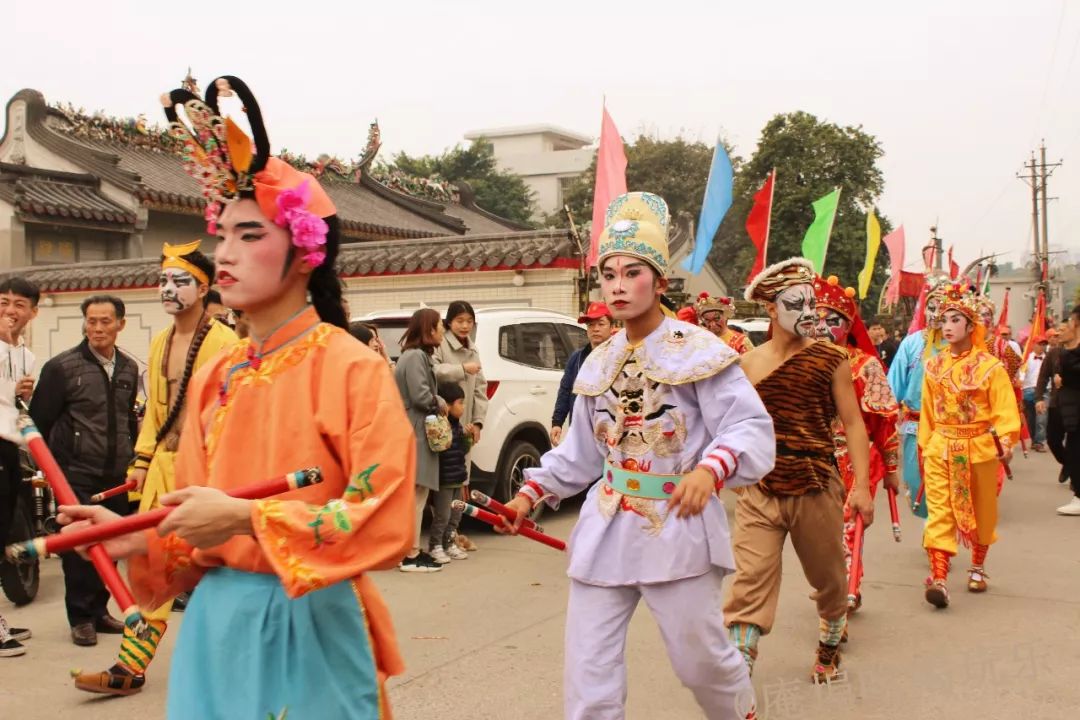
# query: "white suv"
(523, 353)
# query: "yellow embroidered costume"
(964, 397)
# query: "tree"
(811, 158)
(676, 170)
(497, 191)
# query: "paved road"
(483, 638)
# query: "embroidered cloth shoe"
(937, 594)
(439, 555)
(977, 578)
(11, 648)
(1070, 508)
(455, 552)
(117, 680)
(827, 666)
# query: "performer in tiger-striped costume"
(839, 322)
(804, 384)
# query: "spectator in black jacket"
(1068, 407)
(84, 407)
(453, 476)
(599, 323)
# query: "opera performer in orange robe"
(285, 619)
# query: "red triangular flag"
(1003, 318)
(757, 224)
(954, 269)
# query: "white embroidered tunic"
(673, 402)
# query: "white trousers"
(692, 624)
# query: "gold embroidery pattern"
(681, 354)
(275, 526)
(271, 366)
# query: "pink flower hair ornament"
(308, 229)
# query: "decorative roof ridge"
(72, 178)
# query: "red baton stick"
(856, 562)
(894, 514)
(1001, 453)
(60, 542)
(492, 504)
(126, 486)
(106, 570)
(496, 521)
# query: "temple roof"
(497, 251)
(142, 160)
(47, 195)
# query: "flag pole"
(768, 222)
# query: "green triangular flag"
(816, 240)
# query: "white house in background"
(545, 156)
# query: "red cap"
(595, 311)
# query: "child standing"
(453, 476)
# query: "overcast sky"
(958, 91)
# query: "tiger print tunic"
(798, 396)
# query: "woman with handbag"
(415, 376)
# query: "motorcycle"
(35, 516)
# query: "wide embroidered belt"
(640, 484)
(962, 432)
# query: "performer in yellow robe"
(966, 395)
(285, 619)
(184, 283)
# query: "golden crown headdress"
(636, 224)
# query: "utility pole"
(1043, 167)
(1032, 179)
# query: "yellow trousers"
(160, 479)
(941, 532)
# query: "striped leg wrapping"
(830, 631)
(135, 654)
(745, 636)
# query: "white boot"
(1072, 508)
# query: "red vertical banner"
(758, 222)
(610, 180)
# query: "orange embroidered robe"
(320, 399)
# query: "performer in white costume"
(665, 418)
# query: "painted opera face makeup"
(986, 315)
(796, 310)
(714, 321)
(179, 290)
(933, 319)
(629, 286)
(252, 257)
(955, 327)
(833, 326)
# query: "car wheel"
(511, 473)
(20, 580)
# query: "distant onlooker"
(415, 376)
(84, 407)
(453, 475)
(886, 346)
(598, 324)
(1068, 409)
(217, 310)
(369, 335)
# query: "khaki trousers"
(815, 522)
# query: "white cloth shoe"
(456, 553)
(1072, 508)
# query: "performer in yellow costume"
(967, 396)
(176, 353)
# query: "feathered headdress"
(229, 165)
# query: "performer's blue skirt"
(247, 652)
(912, 474)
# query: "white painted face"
(932, 317)
(796, 310)
(179, 290)
(955, 327)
